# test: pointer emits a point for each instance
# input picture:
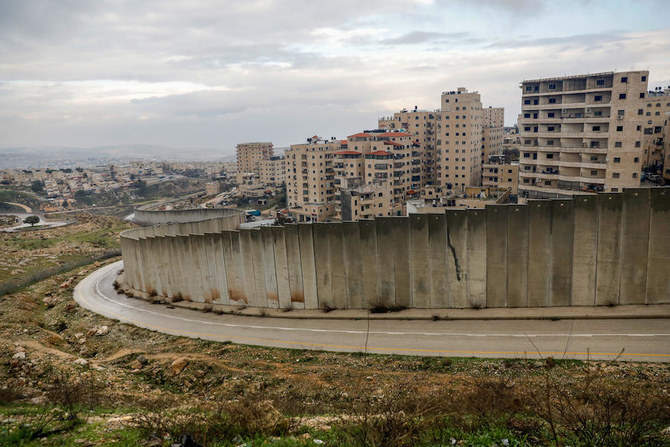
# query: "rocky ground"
(69, 377)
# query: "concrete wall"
(593, 250)
(147, 217)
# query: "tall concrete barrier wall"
(609, 249)
(146, 217)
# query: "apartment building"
(272, 171)
(581, 133)
(459, 139)
(366, 201)
(310, 179)
(656, 116)
(493, 129)
(501, 175)
(250, 154)
(420, 124)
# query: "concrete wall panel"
(584, 251)
(401, 254)
(476, 258)
(323, 265)
(457, 251)
(658, 279)
(539, 253)
(517, 256)
(353, 265)
(368, 250)
(232, 259)
(293, 259)
(269, 267)
(338, 281)
(608, 274)
(437, 252)
(496, 256)
(385, 262)
(562, 241)
(307, 261)
(635, 245)
(420, 263)
(247, 261)
(261, 299)
(281, 268)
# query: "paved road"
(639, 339)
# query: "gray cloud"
(418, 37)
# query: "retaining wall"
(594, 250)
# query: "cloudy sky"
(215, 73)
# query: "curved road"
(607, 339)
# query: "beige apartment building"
(250, 154)
(581, 133)
(272, 171)
(501, 175)
(310, 176)
(493, 129)
(656, 116)
(420, 124)
(459, 139)
(366, 201)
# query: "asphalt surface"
(627, 339)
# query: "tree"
(32, 220)
(37, 186)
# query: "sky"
(207, 73)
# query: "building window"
(637, 144)
(594, 173)
(644, 78)
(551, 114)
(600, 82)
(634, 174)
(641, 95)
(552, 100)
(596, 128)
(598, 98)
(617, 144)
(552, 86)
(617, 159)
(636, 159)
(640, 111)
(619, 128)
(624, 79)
(622, 96)
(615, 175)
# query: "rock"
(20, 348)
(135, 364)
(39, 400)
(178, 365)
(19, 355)
(142, 359)
(82, 362)
(71, 306)
(66, 284)
(77, 335)
(104, 330)
(82, 340)
(92, 331)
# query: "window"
(636, 159)
(552, 100)
(640, 111)
(619, 128)
(551, 128)
(622, 96)
(600, 82)
(617, 159)
(594, 173)
(638, 128)
(644, 78)
(615, 175)
(526, 101)
(624, 79)
(526, 115)
(642, 95)
(551, 114)
(615, 189)
(637, 144)
(634, 174)
(617, 144)
(550, 156)
(598, 98)
(596, 128)
(552, 86)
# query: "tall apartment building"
(581, 133)
(250, 154)
(448, 140)
(420, 124)
(459, 139)
(310, 189)
(272, 171)
(493, 129)
(656, 116)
